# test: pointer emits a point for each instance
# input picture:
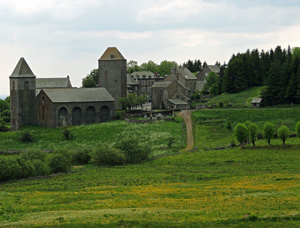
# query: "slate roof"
(161, 84)
(177, 102)
(112, 53)
(256, 101)
(52, 83)
(22, 70)
(214, 68)
(131, 81)
(142, 73)
(74, 95)
(186, 73)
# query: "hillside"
(205, 188)
(241, 99)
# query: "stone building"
(206, 70)
(170, 95)
(112, 74)
(57, 104)
(140, 82)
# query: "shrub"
(298, 129)
(34, 154)
(26, 137)
(81, 157)
(59, 164)
(170, 141)
(134, 152)
(69, 155)
(27, 168)
(252, 130)
(228, 125)
(41, 168)
(4, 171)
(3, 128)
(283, 133)
(247, 123)
(269, 132)
(241, 133)
(67, 134)
(106, 155)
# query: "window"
(14, 85)
(149, 89)
(143, 90)
(206, 74)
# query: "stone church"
(53, 102)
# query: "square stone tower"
(22, 96)
(112, 74)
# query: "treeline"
(278, 70)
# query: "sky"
(67, 37)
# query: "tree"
(241, 133)
(132, 66)
(91, 80)
(149, 66)
(3, 105)
(283, 133)
(252, 130)
(165, 67)
(269, 132)
(211, 84)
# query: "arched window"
(62, 117)
(90, 115)
(26, 85)
(76, 116)
(104, 114)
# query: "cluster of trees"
(194, 66)
(248, 132)
(132, 100)
(278, 70)
(4, 113)
(162, 69)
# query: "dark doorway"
(62, 117)
(76, 116)
(90, 115)
(104, 114)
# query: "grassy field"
(206, 188)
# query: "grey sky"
(59, 38)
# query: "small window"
(14, 85)
(26, 85)
(43, 98)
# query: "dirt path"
(186, 114)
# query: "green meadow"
(203, 188)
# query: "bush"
(298, 129)
(170, 140)
(3, 128)
(283, 133)
(59, 164)
(33, 155)
(26, 137)
(228, 125)
(241, 133)
(27, 168)
(106, 155)
(252, 129)
(67, 134)
(41, 168)
(81, 157)
(69, 155)
(269, 132)
(134, 152)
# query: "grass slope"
(226, 188)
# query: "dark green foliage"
(91, 80)
(134, 152)
(26, 137)
(33, 155)
(59, 164)
(81, 157)
(228, 125)
(3, 105)
(67, 134)
(269, 131)
(170, 141)
(193, 66)
(211, 84)
(3, 128)
(41, 168)
(106, 155)
(241, 133)
(252, 130)
(283, 134)
(132, 100)
(27, 168)
(298, 129)
(133, 66)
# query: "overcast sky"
(67, 37)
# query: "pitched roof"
(214, 68)
(256, 100)
(131, 80)
(74, 95)
(177, 102)
(161, 84)
(186, 73)
(112, 53)
(22, 70)
(52, 83)
(142, 73)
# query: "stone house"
(141, 82)
(170, 95)
(57, 104)
(206, 70)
